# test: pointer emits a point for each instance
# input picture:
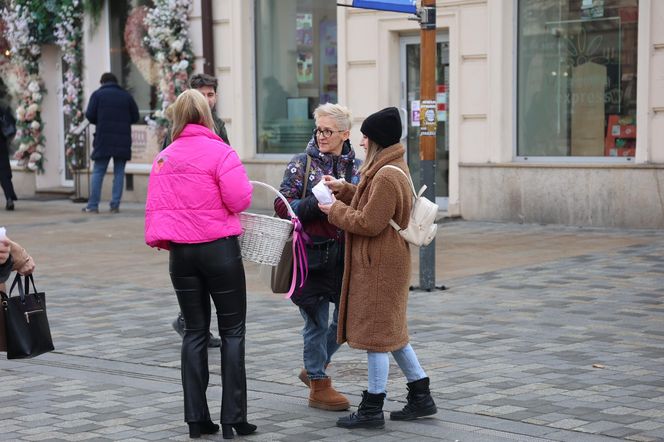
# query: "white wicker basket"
(263, 237)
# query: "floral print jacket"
(313, 220)
(321, 285)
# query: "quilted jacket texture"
(197, 188)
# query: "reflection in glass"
(296, 70)
(577, 78)
(130, 61)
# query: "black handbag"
(281, 276)
(26, 324)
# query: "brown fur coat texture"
(374, 294)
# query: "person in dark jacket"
(330, 153)
(9, 123)
(113, 110)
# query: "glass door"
(410, 102)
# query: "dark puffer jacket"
(324, 280)
(113, 110)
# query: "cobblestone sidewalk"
(544, 333)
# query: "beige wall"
(608, 196)
(486, 180)
(373, 68)
(234, 55)
(496, 187)
(53, 122)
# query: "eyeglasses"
(325, 133)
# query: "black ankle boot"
(242, 429)
(10, 205)
(198, 428)
(369, 413)
(420, 403)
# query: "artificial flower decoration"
(25, 50)
(168, 42)
(69, 36)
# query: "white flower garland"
(26, 52)
(169, 43)
(69, 36)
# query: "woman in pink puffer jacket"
(197, 188)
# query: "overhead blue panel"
(407, 6)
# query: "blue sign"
(407, 6)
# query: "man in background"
(206, 85)
(113, 110)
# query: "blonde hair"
(190, 107)
(372, 151)
(340, 114)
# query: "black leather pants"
(200, 272)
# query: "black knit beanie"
(383, 127)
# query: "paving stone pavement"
(544, 333)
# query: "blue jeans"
(379, 368)
(98, 172)
(320, 340)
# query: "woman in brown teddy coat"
(374, 294)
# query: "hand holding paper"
(332, 183)
(322, 193)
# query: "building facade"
(548, 111)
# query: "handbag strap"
(29, 279)
(348, 176)
(305, 178)
(410, 180)
(412, 187)
(18, 283)
(23, 286)
(299, 240)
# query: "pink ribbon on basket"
(300, 265)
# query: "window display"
(576, 84)
(130, 61)
(296, 70)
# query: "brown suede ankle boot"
(304, 377)
(325, 397)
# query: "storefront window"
(130, 61)
(296, 70)
(577, 78)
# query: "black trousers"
(200, 272)
(6, 172)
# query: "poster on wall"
(415, 113)
(441, 100)
(328, 61)
(328, 42)
(144, 144)
(305, 67)
(428, 118)
(304, 34)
